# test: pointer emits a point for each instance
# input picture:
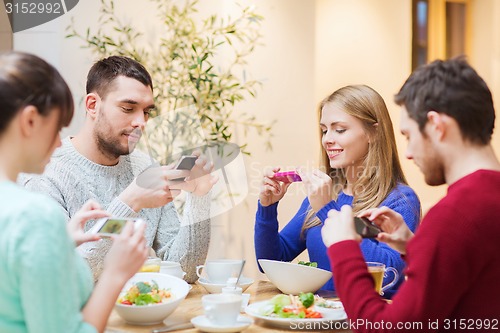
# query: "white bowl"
(294, 278)
(156, 313)
(216, 288)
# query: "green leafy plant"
(195, 87)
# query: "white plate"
(329, 315)
(203, 324)
(216, 288)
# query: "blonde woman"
(362, 170)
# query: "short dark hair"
(454, 88)
(26, 79)
(102, 74)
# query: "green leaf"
(154, 285)
(144, 299)
(184, 46)
(307, 299)
(281, 300)
(143, 287)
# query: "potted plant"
(196, 92)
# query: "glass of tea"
(378, 272)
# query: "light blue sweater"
(44, 283)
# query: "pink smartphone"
(287, 177)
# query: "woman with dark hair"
(45, 285)
(362, 170)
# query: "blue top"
(44, 283)
(290, 242)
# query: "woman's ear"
(371, 136)
(29, 118)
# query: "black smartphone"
(366, 228)
(184, 163)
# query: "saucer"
(216, 288)
(203, 324)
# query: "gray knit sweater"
(71, 179)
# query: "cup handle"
(198, 269)
(208, 312)
(393, 282)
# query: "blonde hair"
(382, 171)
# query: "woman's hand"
(128, 252)
(89, 211)
(395, 231)
(318, 186)
(272, 190)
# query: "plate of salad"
(149, 298)
(145, 293)
(289, 311)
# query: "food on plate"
(290, 306)
(145, 293)
(327, 304)
(307, 263)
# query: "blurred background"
(308, 49)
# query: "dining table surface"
(191, 307)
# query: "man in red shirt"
(453, 260)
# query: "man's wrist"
(130, 201)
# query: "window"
(420, 38)
(440, 30)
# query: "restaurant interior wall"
(310, 48)
(5, 32)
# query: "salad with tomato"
(145, 293)
(289, 306)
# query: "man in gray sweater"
(100, 163)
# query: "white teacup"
(222, 309)
(218, 271)
(172, 268)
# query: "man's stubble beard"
(110, 147)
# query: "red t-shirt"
(453, 268)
